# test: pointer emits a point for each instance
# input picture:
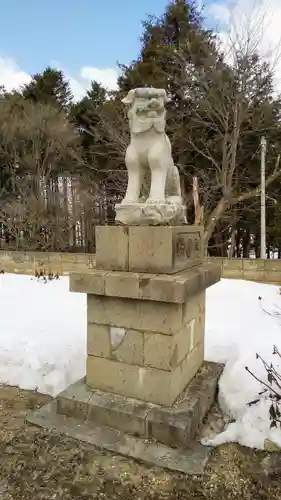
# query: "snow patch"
(43, 344)
(42, 333)
(243, 318)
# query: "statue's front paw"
(127, 201)
(155, 201)
(174, 200)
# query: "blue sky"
(75, 33)
(84, 38)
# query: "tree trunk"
(257, 246)
(218, 244)
(238, 243)
(197, 207)
(246, 244)
(213, 218)
(66, 211)
(231, 249)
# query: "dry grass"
(35, 464)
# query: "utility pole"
(263, 214)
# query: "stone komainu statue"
(149, 157)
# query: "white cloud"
(13, 77)
(256, 22)
(77, 87)
(107, 77)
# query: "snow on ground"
(239, 325)
(43, 344)
(42, 333)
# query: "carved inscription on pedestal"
(187, 246)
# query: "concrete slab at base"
(174, 426)
(190, 462)
(162, 436)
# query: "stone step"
(174, 426)
(169, 288)
(191, 462)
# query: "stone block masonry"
(162, 249)
(175, 426)
(145, 327)
(147, 388)
(149, 356)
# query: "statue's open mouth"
(152, 114)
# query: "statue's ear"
(166, 99)
(130, 97)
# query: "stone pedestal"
(146, 310)
(149, 249)
(145, 373)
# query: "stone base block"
(143, 382)
(190, 463)
(174, 426)
(163, 437)
(149, 249)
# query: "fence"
(55, 262)
(264, 271)
(267, 271)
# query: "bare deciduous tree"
(37, 143)
(231, 101)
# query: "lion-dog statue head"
(147, 109)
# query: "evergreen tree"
(179, 32)
(97, 94)
(86, 111)
(49, 87)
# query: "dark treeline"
(62, 161)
